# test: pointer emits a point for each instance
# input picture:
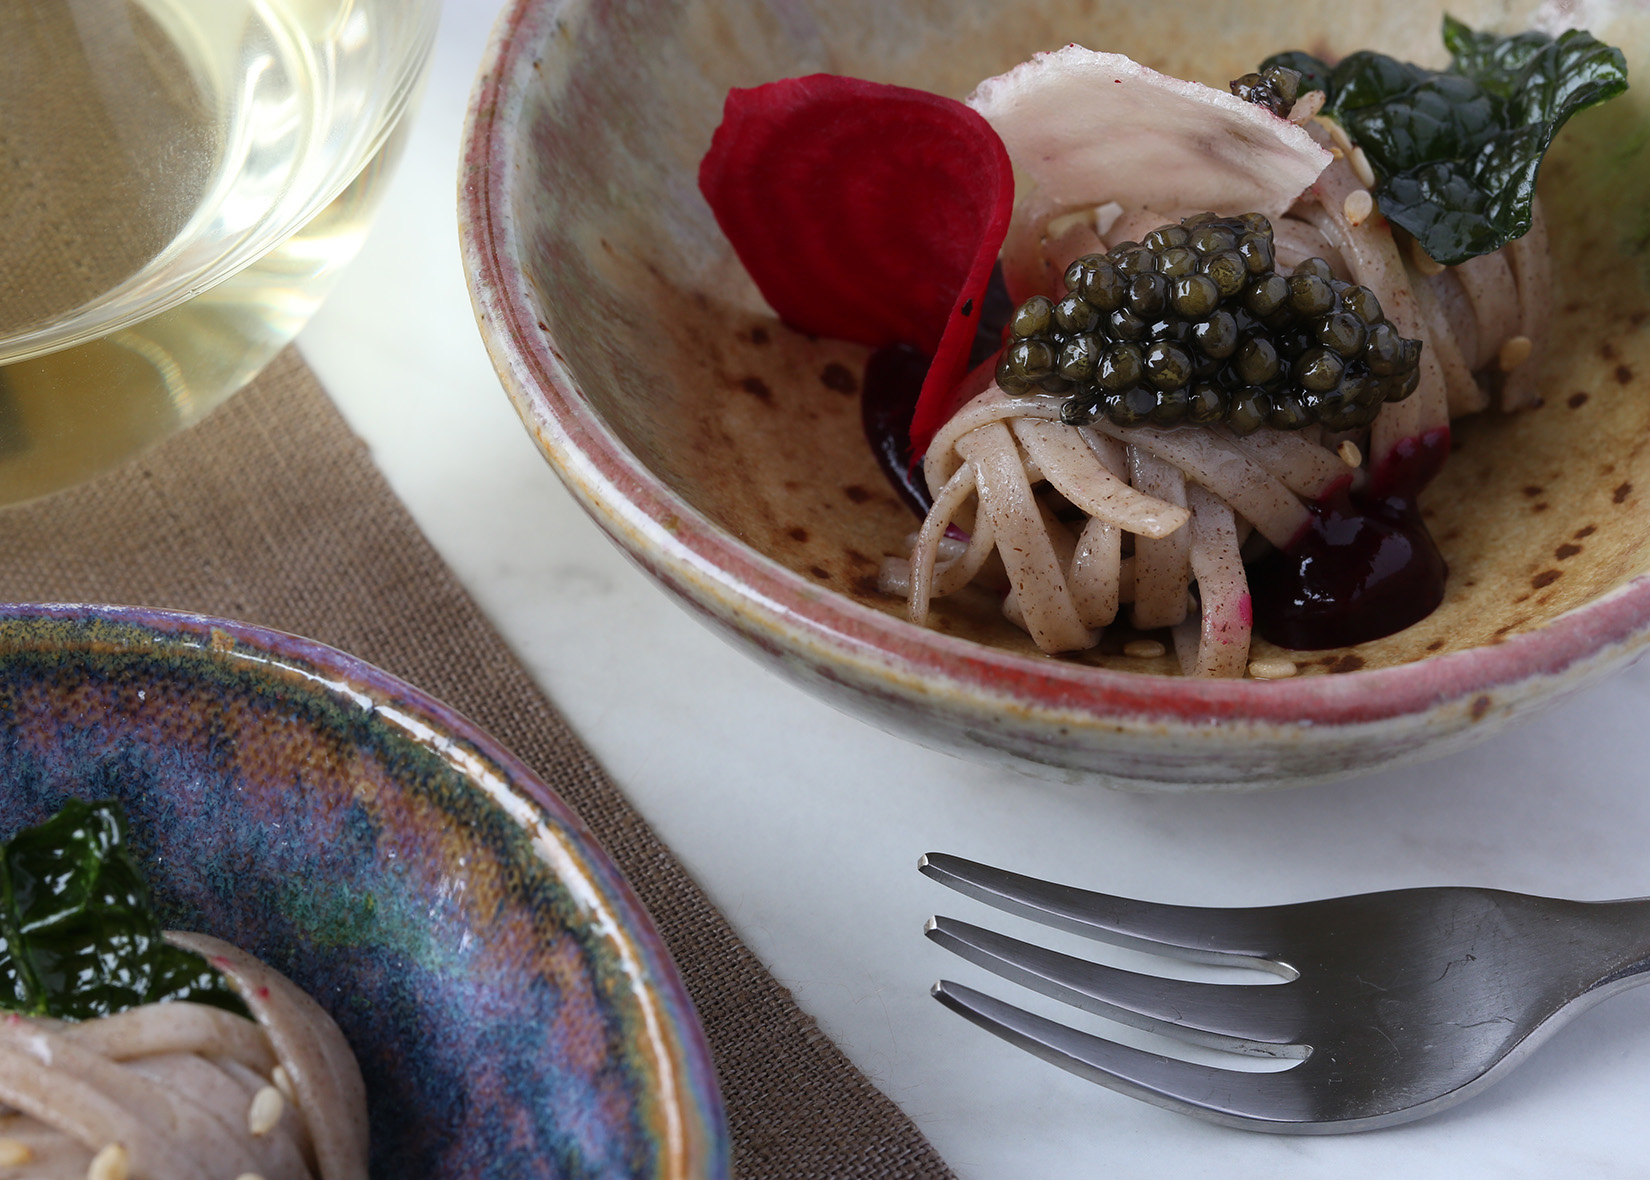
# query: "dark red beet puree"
(893, 382)
(1365, 568)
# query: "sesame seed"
(1349, 453)
(265, 1112)
(1358, 206)
(1360, 165)
(1307, 106)
(14, 1152)
(112, 1163)
(1338, 136)
(1514, 352)
(283, 1083)
(1422, 261)
(1272, 669)
(1143, 649)
(249, 1176)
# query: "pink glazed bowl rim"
(782, 612)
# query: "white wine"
(180, 182)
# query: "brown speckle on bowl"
(836, 375)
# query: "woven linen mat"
(270, 511)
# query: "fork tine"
(1229, 937)
(1260, 1102)
(1243, 1018)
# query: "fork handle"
(1605, 950)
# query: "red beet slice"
(865, 212)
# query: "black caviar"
(1276, 88)
(1195, 324)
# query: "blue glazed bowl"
(513, 1010)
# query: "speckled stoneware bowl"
(513, 1011)
(724, 452)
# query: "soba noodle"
(1163, 512)
(183, 1091)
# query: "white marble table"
(805, 825)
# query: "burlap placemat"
(271, 511)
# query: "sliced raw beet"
(894, 381)
(865, 212)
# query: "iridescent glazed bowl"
(723, 452)
(513, 1011)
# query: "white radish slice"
(1084, 128)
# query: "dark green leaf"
(78, 937)
(1456, 152)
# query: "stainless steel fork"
(1396, 1004)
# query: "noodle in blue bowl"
(512, 1010)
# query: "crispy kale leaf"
(1456, 152)
(78, 938)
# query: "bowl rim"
(695, 1137)
(724, 577)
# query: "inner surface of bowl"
(511, 1009)
(757, 427)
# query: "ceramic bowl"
(724, 453)
(512, 1009)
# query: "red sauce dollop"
(1365, 568)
